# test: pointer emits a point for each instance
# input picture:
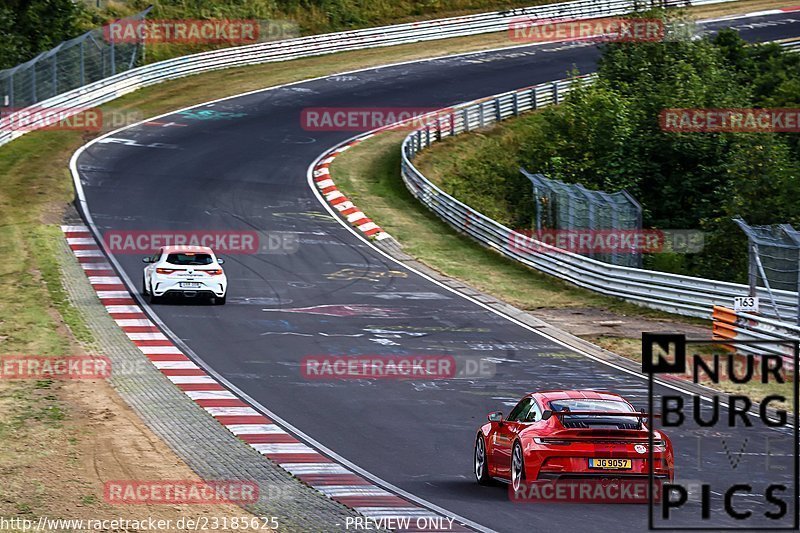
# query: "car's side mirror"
(546, 414)
(147, 259)
(220, 260)
(496, 416)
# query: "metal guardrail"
(734, 326)
(115, 86)
(673, 293)
(793, 46)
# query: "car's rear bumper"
(168, 287)
(190, 293)
(559, 462)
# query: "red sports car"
(568, 435)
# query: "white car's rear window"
(189, 259)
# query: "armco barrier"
(659, 290)
(732, 326)
(115, 86)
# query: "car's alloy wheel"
(481, 464)
(517, 467)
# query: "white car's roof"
(187, 250)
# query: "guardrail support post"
(55, 73)
(83, 67)
(534, 99)
(481, 120)
(465, 114)
(555, 93)
(516, 104)
(752, 271)
(113, 58)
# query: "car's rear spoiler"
(547, 413)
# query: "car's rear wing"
(546, 414)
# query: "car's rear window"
(598, 420)
(580, 404)
(189, 259)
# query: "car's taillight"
(555, 442)
(165, 270)
(217, 272)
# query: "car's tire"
(148, 296)
(220, 301)
(481, 462)
(517, 467)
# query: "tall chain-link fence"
(774, 263)
(563, 206)
(72, 64)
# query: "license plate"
(611, 464)
(187, 285)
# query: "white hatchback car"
(187, 271)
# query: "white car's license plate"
(187, 285)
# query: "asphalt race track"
(244, 167)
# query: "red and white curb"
(354, 216)
(298, 458)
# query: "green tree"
(29, 27)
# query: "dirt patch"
(65, 439)
(595, 322)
